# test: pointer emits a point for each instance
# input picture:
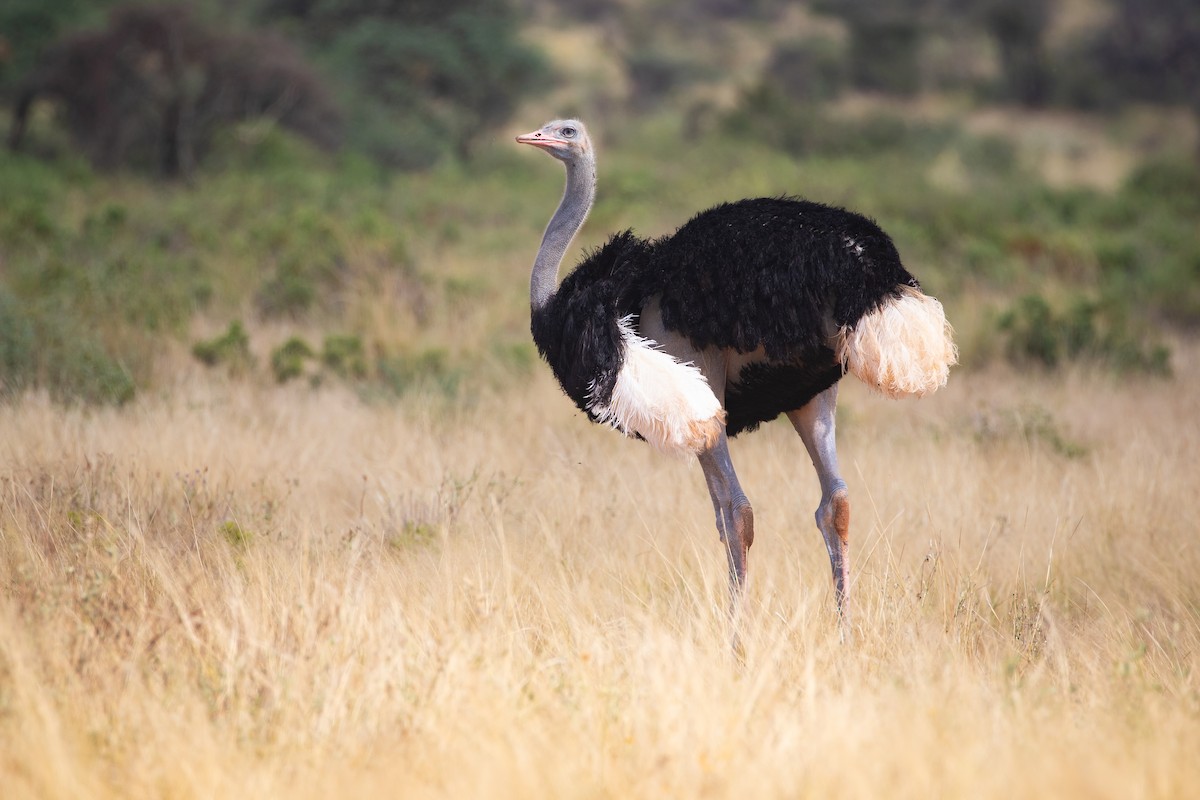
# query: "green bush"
(1170, 182)
(344, 355)
(309, 258)
(77, 368)
(883, 54)
(288, 360)
(809, 70)
(237, 536)
(17, 361)
(993, 154)
(655, 75)
(1029, 423)
(807, 130)
(231, 348)
(1037, 333)
(437, 75)
(1145, 241)
(429, 369)
(29, 222)
(291, 291)
(93, 376)
(41, 345)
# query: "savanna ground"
(231, 589)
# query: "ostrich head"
(565, 139)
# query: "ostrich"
(752, 309)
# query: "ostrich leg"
(735, 518)
(815, 424)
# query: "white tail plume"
(905, 347)
(668, 403)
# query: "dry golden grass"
(239, 591)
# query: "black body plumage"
(577, 331)
(780, 274)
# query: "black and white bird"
(752, 309)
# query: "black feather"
(772, 273)
(761, 392)
(780, 274)
(577, 331)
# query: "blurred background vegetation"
(327, 190)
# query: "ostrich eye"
(568, 132)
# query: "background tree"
(28, 27)
(1019, 28)
(422, 75)
(885, 41)
(415, 78)
(809, 70)
(1149, 51)
(156, 85)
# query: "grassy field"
(228, 588)
(414, 570)
(370, 549)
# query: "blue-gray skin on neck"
(566, 222)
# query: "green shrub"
(993, 154)
(1146, 244)
(1176, 284)
(231, 348)
(428, 369)
(1032, 332)
(1087, 329)
(1166, 181)
(515, 358)
(82, 370)
(48, 346)
(1030, 423)
(308, 251)
(883, 54)
(403, 142)
(345, 357)
(287, 360)
(805, 129)
(440, 75)
(1117, 255)
(655, 75)
(289, 292)
(17, 361)
(237, 536)
(810, 70)
(28, 222)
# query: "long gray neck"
(566, 222)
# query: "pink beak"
(539, 139)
